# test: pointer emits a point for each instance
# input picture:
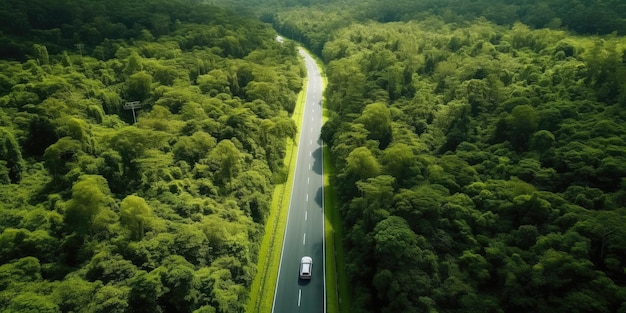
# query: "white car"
(306, 267)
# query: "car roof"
(307, 259)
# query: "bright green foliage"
(135, 214)
(377, 120)
(31, 302)
(88, 210)
(226, 159)
(193, 148)
(362, 164)
(139, 86)
(102, 214)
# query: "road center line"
(299, 296)
(304, 239)
(305, 214)
(308, 180)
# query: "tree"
(131, 143)
(362, 164)
(110, 299)
(41, 52)
(177, 277)
(60, 157)
(400, 161)
(395, 242)
(214, 82)
(135, 214)
(88, 210)
(30, 302)
(226, 160)
(193, 148)
(139, 86)
(377, 120)
(145, 290)
(11, 153)
(522, 122)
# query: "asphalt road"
(304, 233)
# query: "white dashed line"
(299, 296)
(306, 215)
(304, 239)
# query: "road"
(304, 232)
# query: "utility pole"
(132, 105)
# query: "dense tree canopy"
(478, 148)
(102, 214)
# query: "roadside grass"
(338, 293)
(264, 283)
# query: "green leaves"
(163, 215)
(89, 209)
(498, 147)
(135, 215)
(11, 154)
(362, 164)
(377, 120)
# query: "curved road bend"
(304, 232)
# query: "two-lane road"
(304, 233)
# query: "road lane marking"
(304, 239)
(311, 141)
(299, 296)
(305, 214)
(307, 197)
(308, 180)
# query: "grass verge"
(337, 292)
(264, 283)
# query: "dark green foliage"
(102, 214)
(478, 165)
(11, 155)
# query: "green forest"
(480, 158)
(479, 150)
(99, 213)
